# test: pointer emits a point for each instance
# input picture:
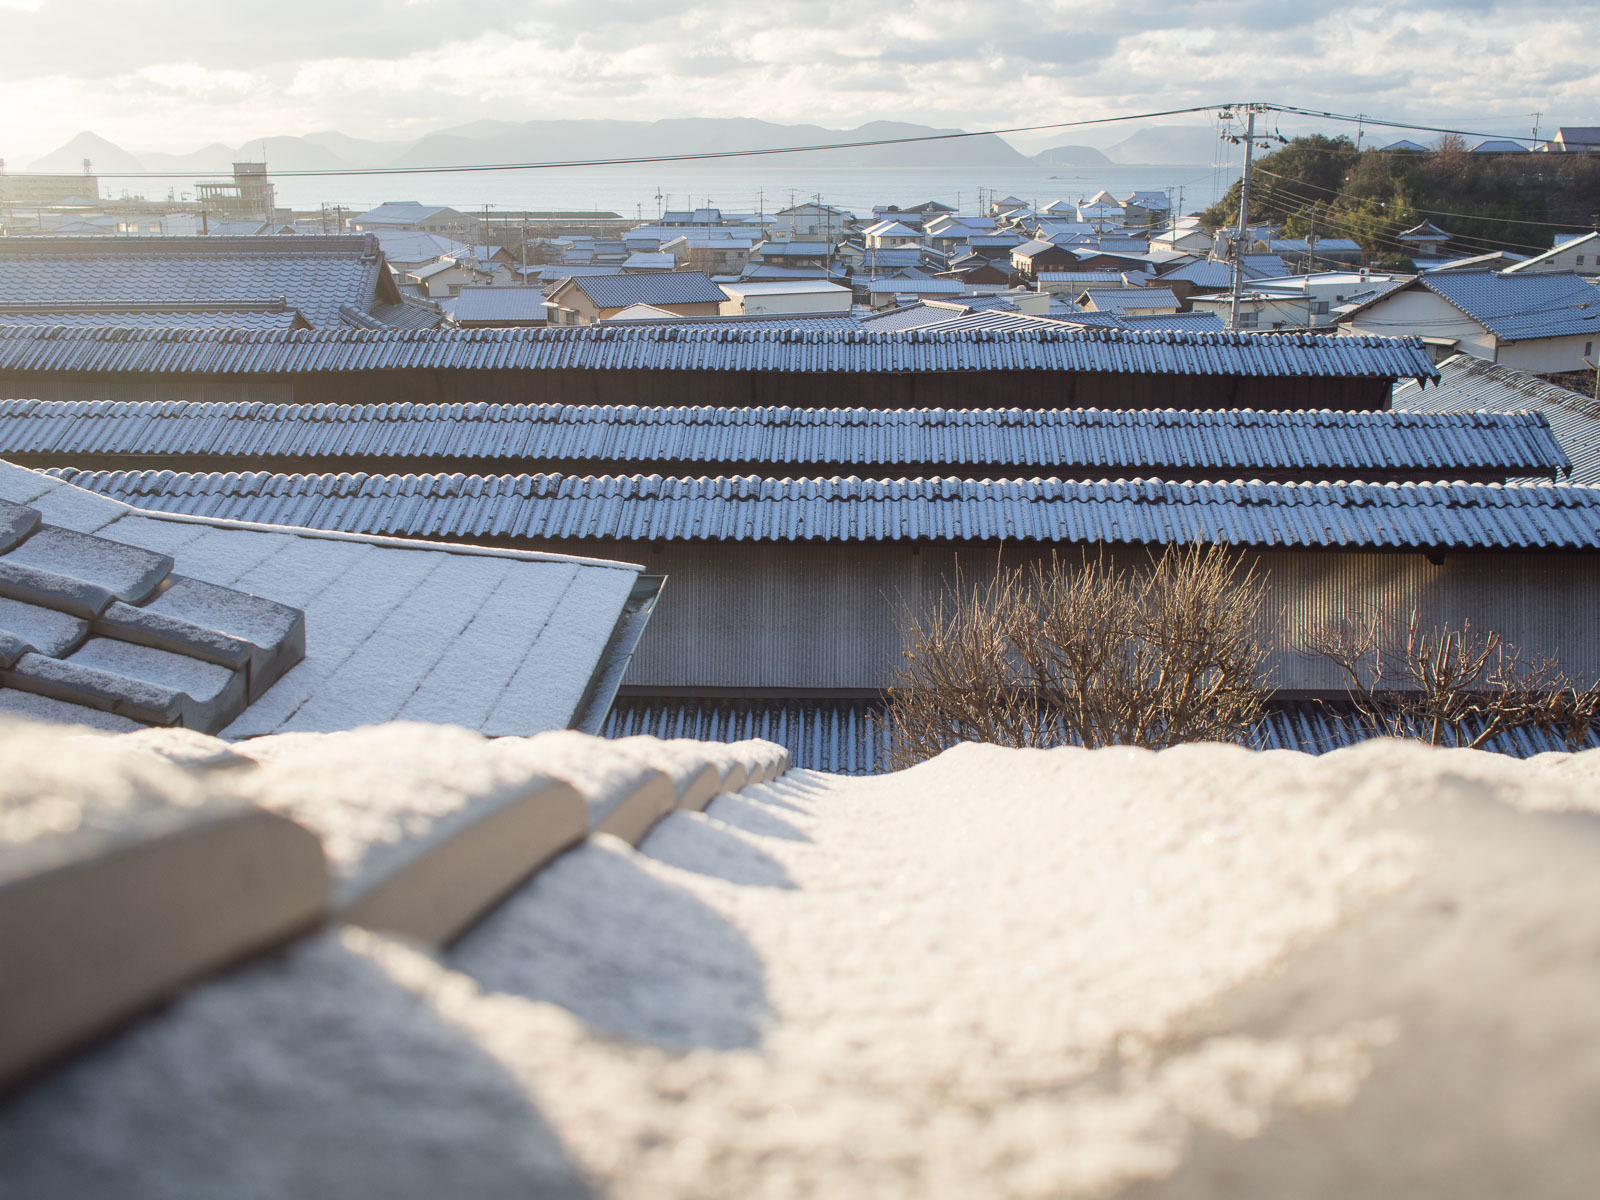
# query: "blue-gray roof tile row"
(852, 737)
(735, 348)
(1145, 442)
(751, 508)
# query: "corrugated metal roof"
(670, 287)
(1469, 384)
(851, 737)
(1136, 442)
(741, 348)
(1516, 307)
(752, 508)
(1117, 299)
(500, 304)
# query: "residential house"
(639, 262)
(1499, 146)
(1146, 208)
(1574, 139)
(1579, 254)
(588, 299)
(892, 233)
(1146, 301)
(404, 248)
(1102, 211)
(445, 277)
(799, 297)
(710, 252)
(976, 269)
(1424, 241)
(1308, 301)
(1186, 235)
(333, 282)
(1031, 258)
(499, 308)
(1257, 309)
(1536, 322)
(410, 216)
(811, 221)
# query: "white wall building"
(792, 297)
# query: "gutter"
(615, 657)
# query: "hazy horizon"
(394, 70)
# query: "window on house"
(1580, 260)
(1319, 308)
(1248, 319)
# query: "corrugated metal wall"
(732, 389)
(798, 617)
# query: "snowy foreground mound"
(1205, 972)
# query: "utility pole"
(1536, 117)
(1244, 210)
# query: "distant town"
(1131, 261)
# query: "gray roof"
(99, 623)
(850, 509)
(850, 736)
(1468, 384)
(1194, 322)
(499, 304)
(259, 315)
(1520, 306)
(732, 348)
(1172, 444)
(316, 275)
(1117, 299)
(675, 287)
(499, 641)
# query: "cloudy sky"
(165, 78)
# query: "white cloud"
(401, 67)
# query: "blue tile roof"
(1006, 442)
(1444, 517)
(316, 275)
(851, 737)
(675, 287)
(1519, 306)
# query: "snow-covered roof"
(499, 641)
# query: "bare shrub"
(1451, 686)
(1089, 654)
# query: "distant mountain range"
(1071, 156)
(1167, 145)
(558, 141)
(551, 141)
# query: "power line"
(1297, 183)
(1368, 119)
(643, 160)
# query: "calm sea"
(638, 192)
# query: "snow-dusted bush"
(1088, 653)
